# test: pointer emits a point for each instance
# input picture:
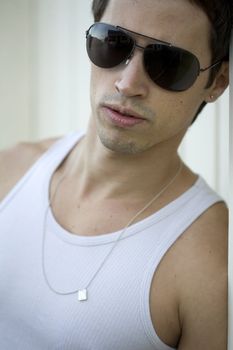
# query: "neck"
(107, 174)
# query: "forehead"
(177, 21)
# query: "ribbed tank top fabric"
(116, 315)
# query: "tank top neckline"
(54, 226)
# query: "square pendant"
(82, 295)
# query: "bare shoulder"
(207, 238)
(17, 160)
(203, 284)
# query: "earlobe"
(210, 98)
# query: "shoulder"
(189, 290)
(208, 236)
(202, 290)
(209, 231)
(17, 160)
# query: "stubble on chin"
(121, 142)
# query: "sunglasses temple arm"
(211, 66)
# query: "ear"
(220, 83)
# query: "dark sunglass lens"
(108, 46)
(171, 68)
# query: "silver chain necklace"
(82, 293)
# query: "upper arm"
(203, 303)
(16, 161)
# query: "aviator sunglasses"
(168, 66)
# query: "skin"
(188, 298)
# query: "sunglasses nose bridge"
(130, 56)
(142, 48)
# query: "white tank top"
(117, 314)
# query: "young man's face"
(165, 115)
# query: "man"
(108, 241)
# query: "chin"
(122, 144)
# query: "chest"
(100, 219)
(118, 297)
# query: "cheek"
(189, 101)
(100, 83)
(176, 113)
(93, 81)
(94, 86)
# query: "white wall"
(45, 81)
(61, 69)
(43, 68)
(14, 73)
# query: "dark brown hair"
(220, 14)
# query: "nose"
(133, 80)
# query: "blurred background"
(44, 84)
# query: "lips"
(122, 117)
